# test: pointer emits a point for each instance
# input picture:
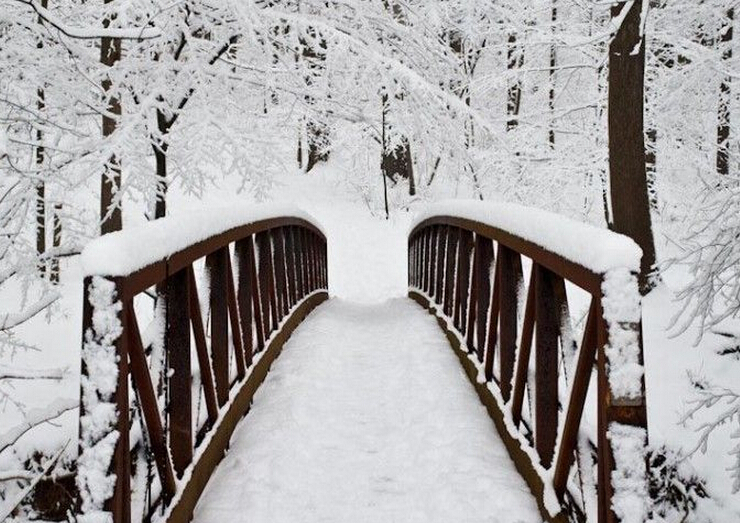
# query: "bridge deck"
(366, 416)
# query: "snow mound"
(124, 252)
(573, 240)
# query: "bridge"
(182, 417)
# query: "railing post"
(463, 280)
(510, 276)
(484, 261)
(300, 263)
(442, 235)
(216, 264)
(177, 345)
(290, 267)
(453, 236)
(280, 274)
(431, 284)
(546, 365)
(244, 292)
(100, 290)
(262, 242)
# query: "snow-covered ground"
(367, 416)
(367, 274)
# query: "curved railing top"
(139, 253)
(580, 252)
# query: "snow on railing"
(280, 274)
(466, 263)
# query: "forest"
(621, 114)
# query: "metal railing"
(471, 275)
(141, 422)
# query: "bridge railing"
(157, 410)
(515, 340)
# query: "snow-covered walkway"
(366, 417)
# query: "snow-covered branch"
(9, 320)
(89, 33)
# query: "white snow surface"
(367, 416)
(597, 249)
(123, 252)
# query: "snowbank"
(123, 252)
(576, 241)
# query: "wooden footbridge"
(159, 404)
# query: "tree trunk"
(627, 173)
(56, 242)
(160, 156)
(40, 185)
(551, 97)
(110, 182)
(398, 162)
(723, 110)
(515, 61)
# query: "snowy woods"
(622, 114)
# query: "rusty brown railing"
(470, 274)
(130, 420)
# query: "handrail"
(470, 274)
(281, 275)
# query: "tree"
(628, 180)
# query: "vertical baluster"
(484, 254)
(216, 266)
(473, 298)
(263, 256)
(326, 264)
(604, 461)
(493, 314)
(453, 237)
(300, 263)
(441, 254)
(244, 294)
(546, 365)
(461, 282)
(307, 261)
(271, 285)
(522, 362)
(177, 346)
(431, 261)
(290, 266)
(510, 275)
(236, 331)
(280, 273)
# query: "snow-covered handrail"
(280, 274)
(466, 265)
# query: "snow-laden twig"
(36, 417)
(90, 33)
(8, 320)
(7, 373)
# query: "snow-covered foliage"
(98, 434)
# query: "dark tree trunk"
(651, 135)
(160, 147)
(723, 111)
(396, 163)
(110, 182)
(515, 60)
(553, 61)
(40, 185)
(628, 180)
(56, 242)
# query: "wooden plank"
(216, 267)
(177, 346)
(470, 330)
(281, 280)
(546, 365)
(201, 349)
(263, 263)
(149, 406)
(453, 237)
(236, 331)
(510, 275)
(244, 295)
(522, 365)
(492, 334)
(576, 402)
(442, 236)
(484, 251)
(290, 262)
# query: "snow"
(575, 241)
(367, 416)
(628, 477)
(98, 436)
(123, 252)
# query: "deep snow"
(367, 416)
